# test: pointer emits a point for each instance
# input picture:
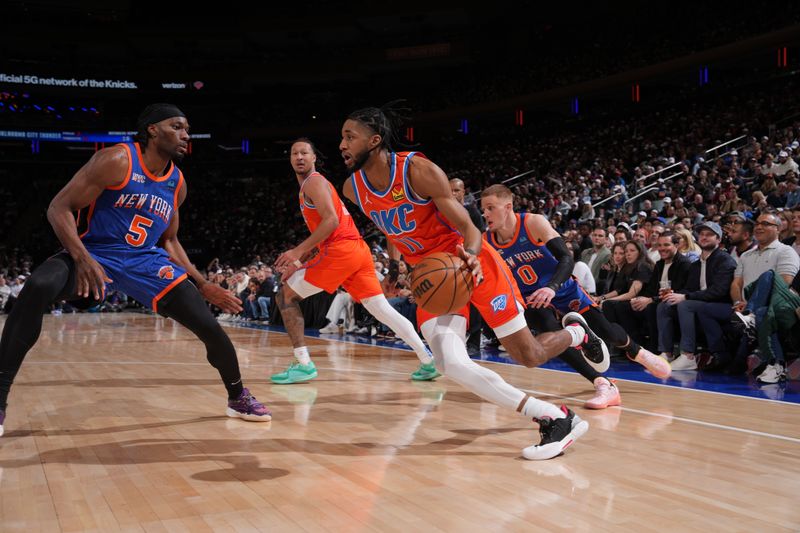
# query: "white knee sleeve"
(445, 335)
(380, 308)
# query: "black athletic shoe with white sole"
(594, 349)
(556, 435)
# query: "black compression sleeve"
(566, 262)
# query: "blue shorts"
(571, 297)
(145, 275)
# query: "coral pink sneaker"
(606, 395)
(657, 365)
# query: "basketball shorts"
(497, 298)
(145, 275)
(571, 297)
(346, 263)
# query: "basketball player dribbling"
(344, 259)
(133, 192)
(409, 199)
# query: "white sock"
(379, 307)
(445, 334)
(301, 354)
(534, 408)
(578, 334)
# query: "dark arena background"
(640, 131)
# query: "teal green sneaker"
(296, 373)
(425, 373)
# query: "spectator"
(457, 188)
(583, 239)
(770, 257)
(250, 300)
(341, 314)
(653, 249)
(705, 300)
(5, 292)
(760, 202)
(598, 255)
(266, 289)
(641, 235)
(786, 231)
(769, 166)
(14, 291)
(739, 230)
(633, 276)
(785, 164)
(793, 241)
(670, 273)
(686, 245)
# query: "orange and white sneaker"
(657, 365)
(606, 395)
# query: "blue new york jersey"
(125, 224)
(533, 266)
(136, 213)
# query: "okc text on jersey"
(394, 221)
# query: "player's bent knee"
(523, 348)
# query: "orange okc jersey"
(415, 226)
(347, 229)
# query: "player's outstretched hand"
(91, 278)
(221, 298)
(541, 298)
(472, 262)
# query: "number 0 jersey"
(533, 266)
(134, 214)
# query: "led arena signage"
(90, 83)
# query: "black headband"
(156, 113)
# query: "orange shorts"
(496, 298)
(346, 263)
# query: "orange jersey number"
(527, 274)
(137, 232)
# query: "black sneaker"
(594, 349)
(556, 435)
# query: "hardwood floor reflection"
(117, 422)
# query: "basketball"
(441, 283)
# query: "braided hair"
(384, 121)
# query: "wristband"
(297, 263)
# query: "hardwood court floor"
(117, 422)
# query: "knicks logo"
(499, 303)
(574, 305)
(166, 272)
(394, 221)
(397, 194)
(138, 178)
